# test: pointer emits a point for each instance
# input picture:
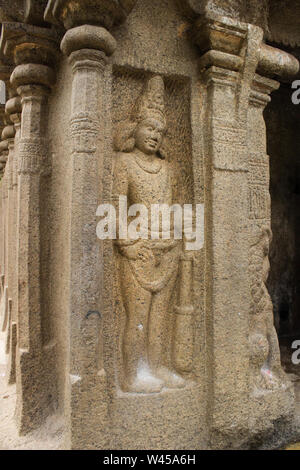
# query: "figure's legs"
(137, 302)
(159, 329)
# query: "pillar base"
(166, 420)
(37, 392)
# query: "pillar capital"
(261, 89)
(219, 34)
(72, 13)
(14, 109)
(224, 42)
(90, 37)
(41, 77)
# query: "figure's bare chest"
(149, 185)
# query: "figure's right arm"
(120, 179)
(120, 184)
(121, 188)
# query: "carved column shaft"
(12, 106)
(227, 75)
(5, 72)
(31, 159)
(4, 299)
(32, 155)
(7, 146)
(33, 50)
(2, 219)
(86, 261)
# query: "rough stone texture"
(146, 345)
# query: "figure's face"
(149, 135)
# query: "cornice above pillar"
(276, 63)
(223, 42)
(72, 13)
(23, 43)
(221, 34)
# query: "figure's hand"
(137, 251)
(129, 252)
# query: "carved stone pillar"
(2, 219)
(33, 50)
(226, 200)
(13, 109)
(88, 48)
(5, 72)
(4, 293)
(9, 134)
(232, 53)
(86, 363)
(270, 392)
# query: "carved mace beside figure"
(183, 331)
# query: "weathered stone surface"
(142, 342)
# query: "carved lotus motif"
(77, 12)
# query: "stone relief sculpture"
(266, 370)
(148, 268)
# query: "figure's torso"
(148, 183)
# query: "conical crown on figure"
(151, 104)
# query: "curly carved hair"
(124, 138)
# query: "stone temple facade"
(144, 344)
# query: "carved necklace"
(149, 167)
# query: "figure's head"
(148, 135)
(147, 124)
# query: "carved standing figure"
(148, 268)
(267, 372)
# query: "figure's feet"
(170, 378)
(144, 382)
